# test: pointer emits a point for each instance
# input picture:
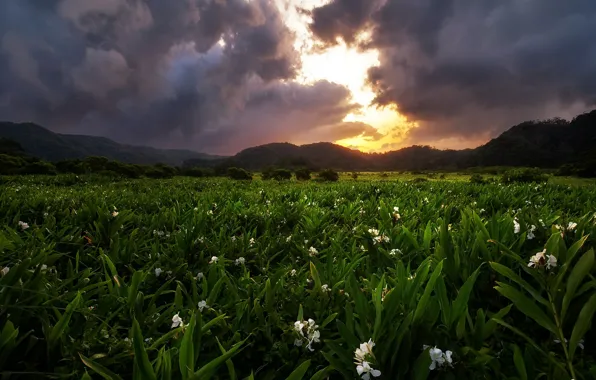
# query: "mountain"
(42, 143)
(548, 144)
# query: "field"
(213, 278)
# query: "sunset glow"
(346, 66)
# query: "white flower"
(530, 234)
(541, 259)
(158, 272)
(203, 305)
(516, 227)
(312, 334)
(23, 225)
(571, 226)
(365, 350)
(325, 288)
(312, 251)
(199, 276)
(293, 272)
(439, 358)
(289, 239)
(373, 231)
(240, 261)
(214, 260)
(396, 209)
(44, 267)
(381, 239)
(210, 212)
(298, 342)
(4, 271)
(251, 241)
(365, 370)
(115, 213)
(177, 321)
(233, 238)
(395, 251)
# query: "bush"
(384, 175)
(238, 173)
(523, 176)
(302, 174)
(38, 167)
(477, 178)
(419, 180)
(328, 175)
(11, 164)
(277, 174)
(354, 175)
(70, 166)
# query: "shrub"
(38, 167)
(11, 164)
(328, 175)
(419, 180)
(384, 175)
(442, 176)
(524, 176)
(477, 178)
(302, 174)
(70, 166)
(277, 174)
(354, 175)
(238, 173)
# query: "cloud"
(472, 68)
(200, 74)
(278, 112)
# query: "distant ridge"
(547, 144)
(45, 144)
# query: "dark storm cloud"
(148, 71)
(278, 112)
(467, 68)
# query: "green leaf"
(581, 269)
(209, 369)
(529, 340)
(322, 374)
(582, 325)
(60, 327)
(314, 273)
(518, 360)
(300, 371)
(229, 362)
(186, 358)
(300, 314)
(328, 320)
(511, 275)
(461, 301)
(422, 304)
(141, 358)
(99, 369)
(527, 306)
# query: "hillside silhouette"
(548, 143)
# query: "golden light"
(342, 65)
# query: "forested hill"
(47, 145)
(547, 143)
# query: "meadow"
(374, 278)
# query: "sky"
(218, 76)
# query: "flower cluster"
(541, 259)
(177, 321)
(439, 358)
(240, 261)
(312, 251)
(530, 234)
(23, 225)
(203, 305)
(396, 216)
(363, 357)
(308, 332)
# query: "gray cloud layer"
(470, 68)
(153, 72)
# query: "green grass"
(94, 283)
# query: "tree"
(240, 174)
(302, 174)
(328, 175)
